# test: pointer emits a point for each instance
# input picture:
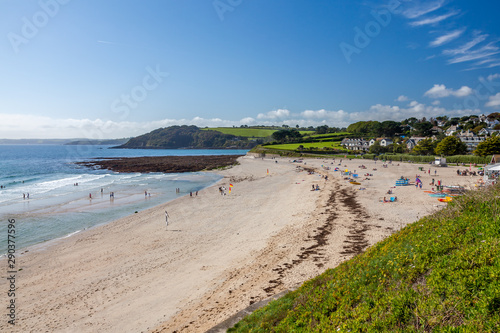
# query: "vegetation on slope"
(439, 274)
(187, 137)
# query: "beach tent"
(495, 159)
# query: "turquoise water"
(57, 208)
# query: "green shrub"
(439, 274)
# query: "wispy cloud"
(432, 20)
(478, 38)
(402, 98)
(447, 38)
(483, 52)
(419, 8)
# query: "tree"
(488, 147)
(287, 135)
(422, 129)
(376, 148)
(389, 128)
(322, 129)
(451, 145)
(424, 147)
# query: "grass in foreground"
(439, 274)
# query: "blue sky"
(109, 69)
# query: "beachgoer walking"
(145, 193)
(191, 194)
(90, 195)
(196, 193)
(27, 195)
(24, 196)
(166, 217)
(435, 172)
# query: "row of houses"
(468, 137)
(362, 144)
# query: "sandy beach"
(219, 254)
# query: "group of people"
(26, 196)
(466, 172)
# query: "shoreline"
(220, 253)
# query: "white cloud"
(402, 98)
(277, 114)
(493, 77)
(420, 8)
(440, 91)
(494, 101)
(447, 38)
(432, 20)
(436, 102)
(31, 126)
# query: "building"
(451, 130)
(470, 139)
(487, 131)
(413, 141)
(355, 144)
(384, 142)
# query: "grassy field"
(439, 274)
(329, 135)
(294, 146)
(248, 132)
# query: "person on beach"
(145, 193)
(196, 193)
(191, 194)
(166, 217)
(24, 196)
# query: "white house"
(385, 142)
(451, 130)
(470, 139)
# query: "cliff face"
(187, 137)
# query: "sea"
(58, 208)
